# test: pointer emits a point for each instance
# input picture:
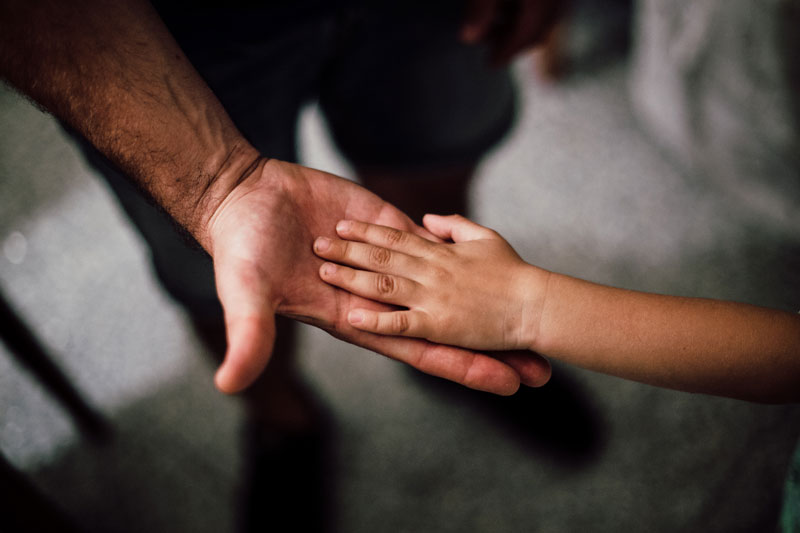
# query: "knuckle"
(400, 323)
(346, 249)
(442, 253)
(386, 284)
(394, 237)
(380, 256)
(439, 274)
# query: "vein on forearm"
(112, 71)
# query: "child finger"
(456, 228)
(379, 287)
(384, 236)
(366, 256)
(402, 323)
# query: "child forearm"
(690, 344)
(477, 292)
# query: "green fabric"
(790, 517)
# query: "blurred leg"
(442, 192)
(413, 108)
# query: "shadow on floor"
(557, 421)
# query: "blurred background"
(656, 149)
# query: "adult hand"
(509, 26)
(261, 239)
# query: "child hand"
(475, 292)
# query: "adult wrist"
(225, 172)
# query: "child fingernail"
(344, 226)
(355, 317)
(328, 269)
(322, 244)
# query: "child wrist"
(534, 291)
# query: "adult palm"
(261, 241)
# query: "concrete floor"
(577, 188)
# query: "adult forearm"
(691, 344)
(112, 71)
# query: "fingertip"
(510, 387)
(344, 226)
(434, 224)
(249, 350)
(225, 382)
(537, 374)
(427, 220)
(532, 369)
(501, 381)
(233, 377)
(489, 374)
(322, 244)
(326, 270)
(356, 317)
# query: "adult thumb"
(250, 341)
(249, 322)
